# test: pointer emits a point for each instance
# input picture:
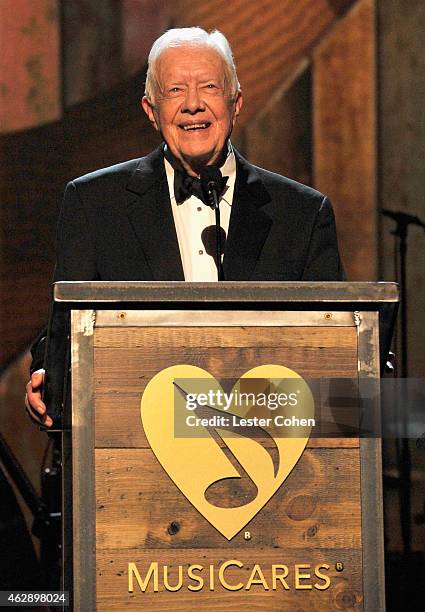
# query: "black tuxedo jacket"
(117, 224)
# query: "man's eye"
(211, 86)
(173, 91)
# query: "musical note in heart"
(203, 467)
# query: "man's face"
(193, 109)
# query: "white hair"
(179, 37)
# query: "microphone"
(208, 239)
(211, 181)
(402, 218)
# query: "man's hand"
(33, 402)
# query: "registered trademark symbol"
(339, 566)
(247, 535)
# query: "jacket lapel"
(249, 224)
(151, 216)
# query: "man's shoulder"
(281, 186)
(278, 183)
(122, 171)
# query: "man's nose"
(192, 102)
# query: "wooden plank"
(129, 368)
(318, 506)
(158, 337)
(333, 443)
(123, 370)
(344, 592)
(121, 376)
(118, 424)
(344, 126)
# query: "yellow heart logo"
(209, 454)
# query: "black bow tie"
(186, 186)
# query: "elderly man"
(146, 219)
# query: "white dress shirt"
(192, 217)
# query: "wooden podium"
(132, 539)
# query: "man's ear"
(149, 110)
(238, 105)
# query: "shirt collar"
(227, 169)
